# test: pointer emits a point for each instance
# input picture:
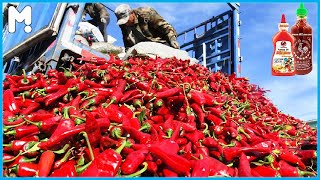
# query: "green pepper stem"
(9, 160)
(89, 97)
(25, 80)
(78, 121)
(66, 156)
(232, 144)
(38, 124)
(145, 126)
(214, 136)
(30, 160)
(206, 130)
(73, 89)
(116, 133)
(66, 113)
(243, 132)
(7, 127)
(111, 102)
(138, 173)
(67, 73)
(12, 132)
(82, 168)
(63, 150)
(123, 145)
(85, 135)
(169, 133)
(303, 173)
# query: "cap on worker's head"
(123, 12)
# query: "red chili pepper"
(133, 161)
(168, 146)
(187, 127)
(195, 137)
(201, 168)
(232, 131)
(30, 138)
(106, 164)
(126, 111)
(202, 150)
(168, 93)
(121, 85)
(65, 130)
(30, 108)
(287, 170)
(168, 125)
(216, 120)
(93, 101)
(36, 117)
(210, 142)
(137, 96)
(168, 173)
(22, 131)
(244, 166)
(16, 145)
(10, 120)
(9, 103)
(48, 125)
(163, 110)
(115, 115)
(66, 170)
(291, 158)
(218, 168)
(266, 171)
(152, 167)
(115, 97)
(197, 97)
(20, 159)
(92, 84)
(69, 86)
(129, 94)
(141, 137)
(45, 163)
(307, 154)
(233, 152)
(199, 112)
(157, 119)
(177, 163)
(25, 169)
(92, 128)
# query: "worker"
(100, 17)
(144, 24)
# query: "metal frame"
(64, 42)
(225, 25)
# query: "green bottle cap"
(301, 11)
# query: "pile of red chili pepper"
(148, 117)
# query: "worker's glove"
(103, 20)
(174, 44)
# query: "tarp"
(153, 50)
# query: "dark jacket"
(148, 26)
(97, 11)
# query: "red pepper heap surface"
(148, 117)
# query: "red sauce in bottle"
(302, 33)
(283, 63)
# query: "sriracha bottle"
(283, 63)
(302, 52)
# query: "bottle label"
(283, 61)
(303, 51)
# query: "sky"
(294, 95)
